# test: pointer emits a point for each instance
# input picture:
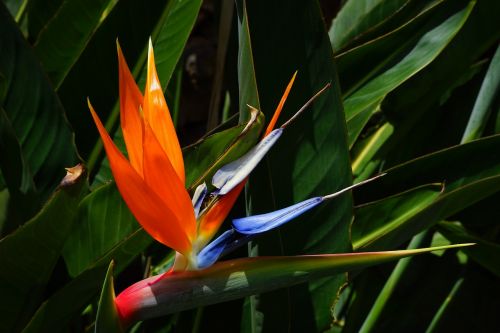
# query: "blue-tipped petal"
(230, 175)
(225, 243)
(264, 222)
(198, 197)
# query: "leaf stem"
(390, 285)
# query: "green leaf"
(30, 253)
(247, 82)
(56, 312)
(39, 13)
(107, 319)
(358, 16)
(14, 169)
(377, 219)
(170, 37)
(104, 222)
(411, 56)
(35, 114)
(68, 302)
(238, 278)
(427, 87)
(485, 253)
(485, 98)
(465, 184)
(311, 158)
(66, 34)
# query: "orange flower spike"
(130, 119)
(274, 119)
(148, 208)
(156, 113)
(160, 175)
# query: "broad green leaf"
(411, 56)
(224, 281)
(68, 302)
(478, 35)
(366, 150)
(34, 112)
(14, 6)
(107, 319)
(170, 36)
(485, 253)
(29, 254)
(17, 177)
(16, 173)
(377, 219)
(39, 13)
(311, 158)
(465, 184)
(56, 313)
(66, 34)
(247, 82)
(358, 16)
(103, 223)
(360, 64)
(370, 150)
(483, 104)
(415, 106)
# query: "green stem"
(390, 285)
(21, 11)
(442, 308)
(197, 320)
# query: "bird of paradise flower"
(151, 182)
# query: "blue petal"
(198, 196)
(225, 243)
(265, 222)
(230, 175)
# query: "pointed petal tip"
(277, 112)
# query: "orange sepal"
(160, 175)
(156, 113)
(147, 207)
(130, 119)
(277, 112)
(211, 220)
